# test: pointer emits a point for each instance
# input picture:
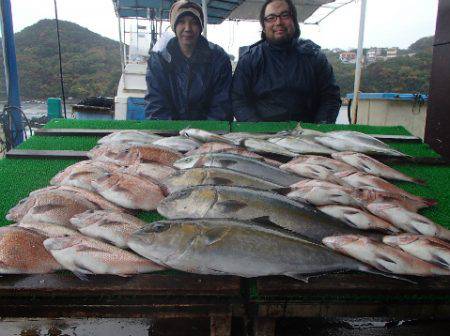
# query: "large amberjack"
(252, 204)
(240, 163)
(215, 176)
(233, 247)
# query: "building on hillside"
(392, 53)
(374, 55)
(347, 57)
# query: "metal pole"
(359, 56)
(122, 60)
(205, 17)
(12, 79)
(61, 77)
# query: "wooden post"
(265, 326)
(437, 133)
(220, 325)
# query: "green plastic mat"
(76, 143)
(163, 125)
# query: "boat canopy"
(218, 10)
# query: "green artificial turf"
(77, 143)
(21, 176)
(164, 125)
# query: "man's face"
(278, 23)
(187, 30)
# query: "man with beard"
(189, 78)
(282, 77)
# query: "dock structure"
(177, 303)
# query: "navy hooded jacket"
(292, 82)
(195, 88)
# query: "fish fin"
(283, 191)
(387, 274)
(430, 201)
(109, 223)
(227, 163)
(221, 181)
(118, 188)
(264, 220)
(214, 235)
(419, 181)
(44, 208)
(81, 276)
(86, 248)
(384, 258)
(231, 205)
(439, 261)
(302, 277)
(76, 175)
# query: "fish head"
(188, 162)
(402, 239)
(163, 240)
(376, 207)
(184, 178)
(60, 243)
(192, 202)
(338, 242)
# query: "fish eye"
(159, 227)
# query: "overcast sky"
(388, 22)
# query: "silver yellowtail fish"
(252, 204)
(374, 167)
(179, 143)
(204, 136)
(301, 145)
(382, 256)
(408, 221)
(241, 164)
(430, 249)
(111, 226)
(266, 147)
(83, 255)
(356, 142)
(215, 176)
(127, 136)
(232, 247)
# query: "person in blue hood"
(190, 78)
(282, 77)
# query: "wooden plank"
(352, 284)
(264, 326)
(324, 309)
(56, 154)
(220, 325)
(144, 284)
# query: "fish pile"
(295, 203)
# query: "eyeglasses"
(271, 18)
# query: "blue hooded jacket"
(280, 83)
(195, 88)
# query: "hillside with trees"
(91, 63)
(407, 73)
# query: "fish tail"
(385, 274)
(430, 201)
(418, 181)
